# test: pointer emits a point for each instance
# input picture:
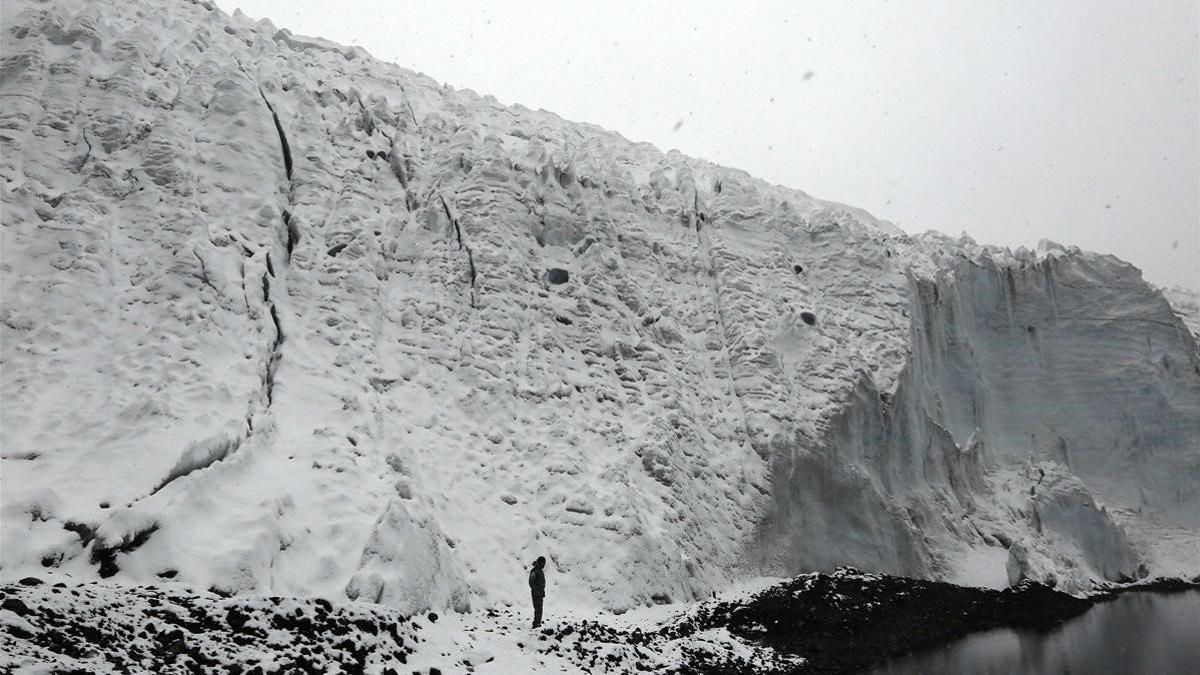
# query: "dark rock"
(16, 606)
(236, 618)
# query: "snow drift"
(279, 317)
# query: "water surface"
(1143, 632)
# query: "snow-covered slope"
(279, 317)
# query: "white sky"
(1077, 121)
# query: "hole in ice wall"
(563, 320)
(797, 269)
(808, 318)
(334, 250)
(370, 154)
(557, 275)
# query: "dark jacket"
(537, 581)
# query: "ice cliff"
(279, 317)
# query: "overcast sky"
(1012, 121)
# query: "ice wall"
(1062, 362)
(278, 317)
(1074, 359)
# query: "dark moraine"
(847, 621)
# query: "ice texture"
(282, 318)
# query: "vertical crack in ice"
(202, 454)
(291, 237)
(87, 155)
(461, 244)
(291, 232)
(273, 359)
(705, 247)
(283, 141)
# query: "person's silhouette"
(537, 588)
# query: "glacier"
(281, 318)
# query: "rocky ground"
(90, 629)
(835, 622)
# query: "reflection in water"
(1136, 633)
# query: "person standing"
(537, 588)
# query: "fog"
(1073, 121)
